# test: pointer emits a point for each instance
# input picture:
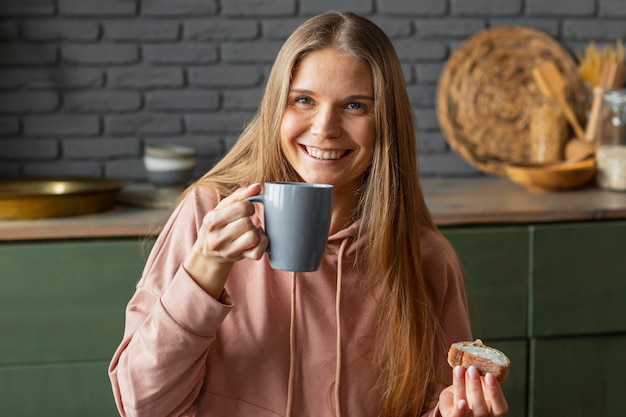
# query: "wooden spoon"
(612, 76)
(552, 85)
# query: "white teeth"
(328, 155)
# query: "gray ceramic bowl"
(168, 165)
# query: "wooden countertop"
(453, 202)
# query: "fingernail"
(491, 380)
(473, 373)
(458, 371)
(461, 405)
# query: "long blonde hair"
(392, 208)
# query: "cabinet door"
(496, 266)
(496, 269)
(61, 317)
(578, 377)
(515, 388)
(579, 279)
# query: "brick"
(449, 27)
(420, 50)
(220, 29)
(126, 168)
(180, 100)
(26, 8)
(431, 142)
(51, 78)
(231, 122)
(612, 8)
(100, 54)
(395, 27)
(259, 7)
(422, 95)
(145, 78)
(152, 124)
(250, 52)
(93, 8)
(183, 53)
(28, 102)
(178, 7)
(247, 99)
(427, 120)
(429, 72)
(8, 31)
(25, 54)
(9, 169)
(486, 7)
(9, 125)
(225, 76)
(101, 101)
(141, 30)
(99, 148)
(60, 30)
(280, 28)
(546, 25)
(404, 7)
(589, 29)
(560, 8)
(445, 165)
(31, 149)
(407, 72)
(62, 168)
(61, 124)
(319, 6)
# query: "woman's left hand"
(472, 395)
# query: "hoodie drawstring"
(292, 338)
(338, 320)
(292, 347)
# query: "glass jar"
(611, 153)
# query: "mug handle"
(258, 198)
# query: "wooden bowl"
(544, 177)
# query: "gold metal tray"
(56, 197)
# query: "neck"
(344, 203)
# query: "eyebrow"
(350, 97)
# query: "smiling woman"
(213, 330)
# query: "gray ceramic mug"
(297, 222)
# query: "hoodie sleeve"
(444, 274)
(159, 366)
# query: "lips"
(323, 154)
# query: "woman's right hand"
(227, 235)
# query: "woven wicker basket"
(486, 94)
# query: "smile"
(324, 154)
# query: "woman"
(212, 330)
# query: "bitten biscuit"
(485, 358)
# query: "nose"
(325, 123)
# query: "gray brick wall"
(85, 84)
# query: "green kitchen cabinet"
(551, 296)
(496, 262)
(61, 318)
(578, 376)
(579, 280)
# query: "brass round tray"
(486, 94)
(42, 198)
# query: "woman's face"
(328, 129)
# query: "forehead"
(330, 67)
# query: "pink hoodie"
(271, 343)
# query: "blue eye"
(304, 100)
(356, 106)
